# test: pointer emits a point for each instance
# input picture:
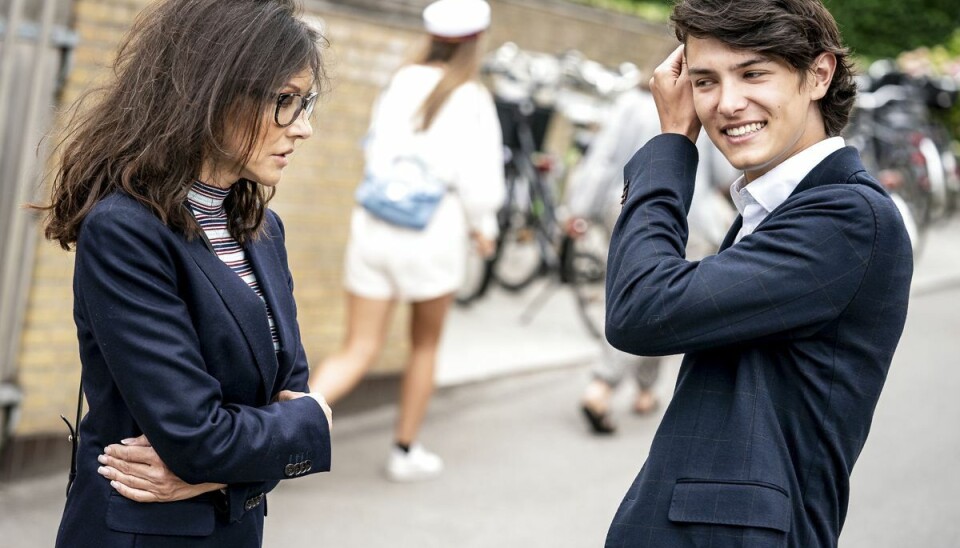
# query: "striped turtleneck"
(206, 204)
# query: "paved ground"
(524, 473)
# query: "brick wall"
(316, 195)
(49, 368)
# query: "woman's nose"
(301, 128)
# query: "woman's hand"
(485, 246)
(673, 93)
(136, 472)
(287, 395)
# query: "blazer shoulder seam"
(855, 188)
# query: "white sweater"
(462, 146)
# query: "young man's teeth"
(743, 130)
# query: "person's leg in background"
(409, 460)
(606, 374)
(367, 324)
(646, 370)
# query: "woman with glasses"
(434, 111)
(192, 363)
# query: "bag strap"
(74, 437)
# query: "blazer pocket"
(187, 518)
(734, 502)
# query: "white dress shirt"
(759, 198)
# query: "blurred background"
(518, 346)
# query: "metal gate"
(35, 53)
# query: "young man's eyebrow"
(739, 66)
(749, 62)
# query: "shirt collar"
(773, 187)
(208, 198)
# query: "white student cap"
(456, 19)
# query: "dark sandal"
(600, 422)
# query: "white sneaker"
(416, 465)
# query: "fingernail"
(114, 484)
(102, 459)
(102, 471)
(106, 450)
(127, 441)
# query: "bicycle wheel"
(588, 277)
(479, 272)
(585, 267)
(519, 258)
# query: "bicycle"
(534, 242)
(900, 143)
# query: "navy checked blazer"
(788, 337)
(176, 346)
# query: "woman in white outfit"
(436, 110)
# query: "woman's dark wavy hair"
(184, 70)
(796, 31)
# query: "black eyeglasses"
(291, 105)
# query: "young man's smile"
(757, 109)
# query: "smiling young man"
(788, 332)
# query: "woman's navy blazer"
(176, 346)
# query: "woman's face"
(272, 148)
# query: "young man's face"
(757, 109)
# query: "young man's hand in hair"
(673, 94)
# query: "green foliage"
(884, 28)
(872, 28)
(651, 10)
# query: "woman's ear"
(821, 74)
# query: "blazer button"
(290, 470)
(253, 502)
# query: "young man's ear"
(821, 74)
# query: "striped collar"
(207, 198)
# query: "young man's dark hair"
(789, 331)
(796, 31)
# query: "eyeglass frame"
(307, 102)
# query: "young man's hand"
(673, 94)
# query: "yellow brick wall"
(316, 194)
(49, 368)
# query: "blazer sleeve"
(126, 285)
(800, 269)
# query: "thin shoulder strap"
(74, 437)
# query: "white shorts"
(384, 261)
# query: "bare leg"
(367, 323)
(426, 327)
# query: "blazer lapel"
(245, 307)
(273, 282)
(732, 233)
